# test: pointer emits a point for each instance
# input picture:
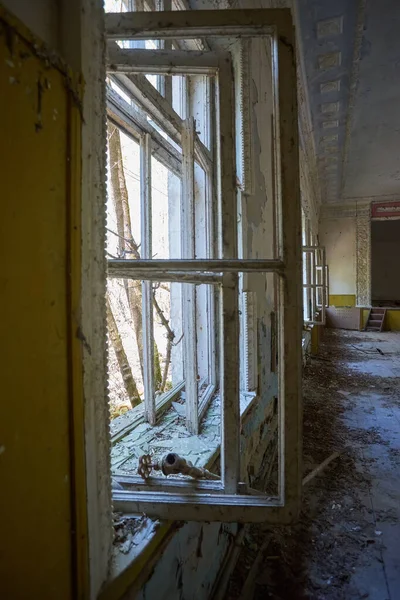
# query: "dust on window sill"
(133, 533)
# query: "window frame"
(187, 63)
(230, 506)
(192, 148)
(315, 284)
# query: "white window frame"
(322, 301)
(183, 132)
(229, 500)
(316, 283)
(248, 304)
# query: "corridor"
(347, 543)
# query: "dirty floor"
(347, 542)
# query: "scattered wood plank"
(322, 466)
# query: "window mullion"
(164, 82)
(189, 290)
(210, 204)
(323, 281)
(326, 286)
(315, 263)
(290, 304)
(147, 290)
(229, 326)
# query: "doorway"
(385, 266)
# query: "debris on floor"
(345, 545)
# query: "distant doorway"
(385, 263)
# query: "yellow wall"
(39, 297)
(364, 317)
(392, 321)
(342, 300)
(316, 337)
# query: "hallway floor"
(347, 543)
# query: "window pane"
(166, 201)
(116, 5)
(179, 95)
(127, 365)
(123, 198)
(204, 241)
(171, 433)
(114, 86)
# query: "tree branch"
(170, 339)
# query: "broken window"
(178, 262)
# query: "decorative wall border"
(363, 256)
(382, 211)
(340, 211)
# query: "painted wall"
(40, 186)
(392, 321)
(385, 252)
(41, 16)
(339, 238)
(190, 566)
(342, 299)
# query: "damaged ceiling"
(351, 57)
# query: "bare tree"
(128, 248)
(122, 359)
(170, 341)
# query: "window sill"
(134, 566)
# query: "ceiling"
(351, 54)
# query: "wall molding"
(338, 211)
(375, 199)
(349, 208)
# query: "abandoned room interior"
(200, 363)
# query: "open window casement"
(228, 498)
(315, 286)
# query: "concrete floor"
(346, 545)
(371, 410)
